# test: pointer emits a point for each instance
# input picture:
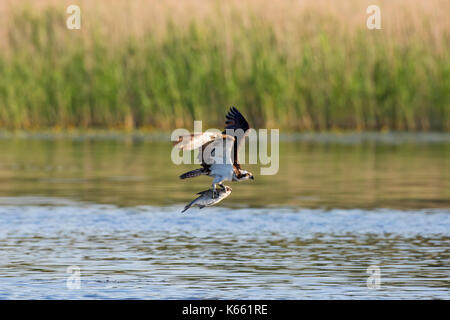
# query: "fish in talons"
(207, 198)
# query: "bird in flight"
(219, 151)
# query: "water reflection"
(245, 253)
(112, 207)
(139, 172)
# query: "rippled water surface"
(111, 206)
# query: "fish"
(206, 198)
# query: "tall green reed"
(52, 77)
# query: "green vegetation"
(295, 78)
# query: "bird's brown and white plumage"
(219, 151)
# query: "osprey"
(219, 151)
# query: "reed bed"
(293, 65)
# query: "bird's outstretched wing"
(211, 140)
(196, 140)
(236, 122)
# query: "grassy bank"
(290, 65)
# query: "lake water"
(110, 206)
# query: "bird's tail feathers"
(189, 205)
(193, 173)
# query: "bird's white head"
(245, 175)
